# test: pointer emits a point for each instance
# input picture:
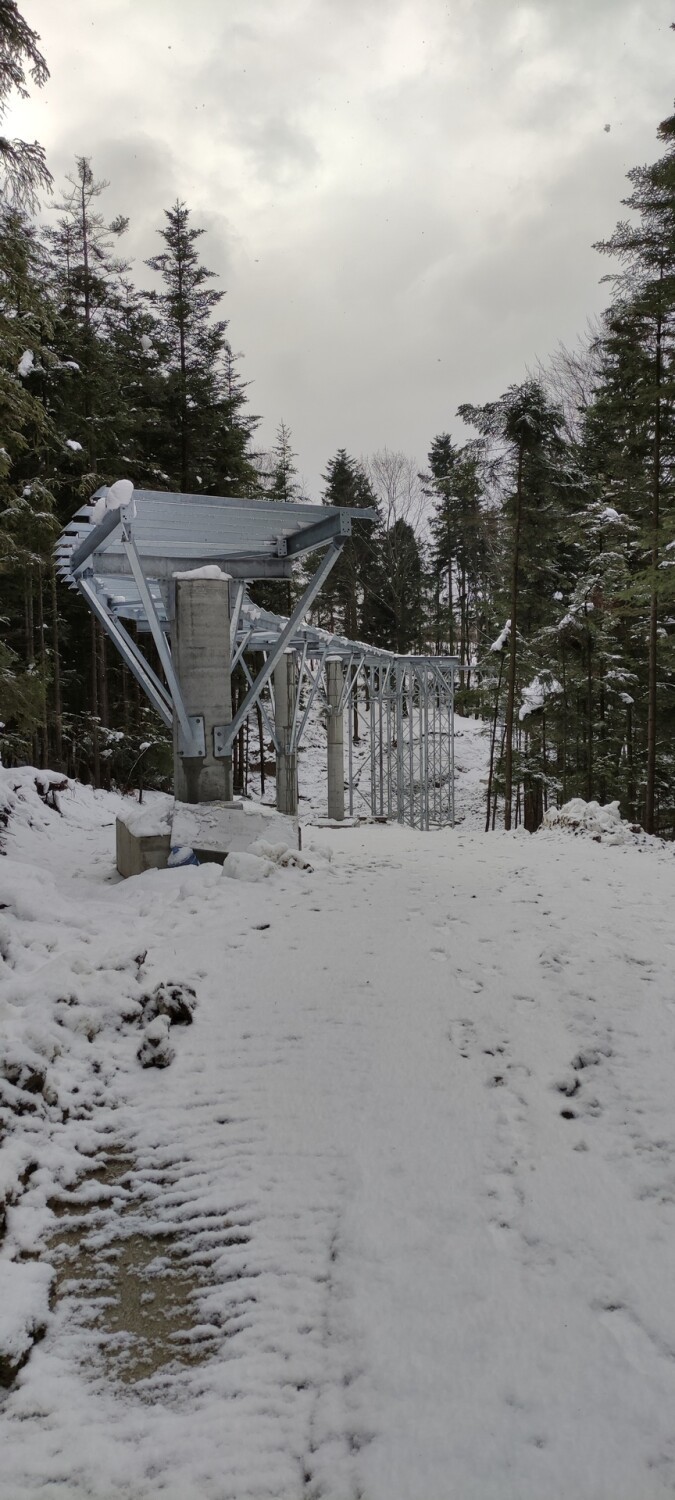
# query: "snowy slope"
(396, 1221)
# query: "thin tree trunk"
(563, 660)
(28, 612)
(492, 742)
(650, 796)
(103, 679)
(500, 763)
(95, 738)
(589, 723)
(544, 765)
(125, 698)
(56, 676)
(43, 668)
(632, 798)
(511, 684)
(261, 742)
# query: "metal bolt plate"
(198, 728)
(220, 748)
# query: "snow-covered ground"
(396, 1222)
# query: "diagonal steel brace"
(296, 619)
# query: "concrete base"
(214, 829)
(138, 852)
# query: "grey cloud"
(400, 197)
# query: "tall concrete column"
(201, 654)
(336, 748)
(284, 708)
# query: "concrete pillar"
(201, 654)
(336, 748)
(284, 707)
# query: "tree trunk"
(650, 796)
(632, 797)
(28, 616)
(492, 742)
(511, 684)
(261, 742)
(95, 769)
(103, 679)
(500, 763)
(43, 668)
(589, 722)
(56, 677)
(563, 778)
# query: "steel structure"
(124, 567)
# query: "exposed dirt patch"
(132, 1284)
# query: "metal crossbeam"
(190, 745)
(130, 654)
(297, 617)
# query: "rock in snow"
(24, 1313)
(156, 1050)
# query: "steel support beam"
(287, 761)
(163, 651)
(336, 731)
(130, 654)
(285, 639)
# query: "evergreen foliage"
(204, 432)
(23, 169)
(98, 379)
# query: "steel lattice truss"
(124, 567)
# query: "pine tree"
(27, 522)
(645, 311)
(85, 277)
(459, 548)
(205, 436)
(284, 485)
(525, 449)
(341, 603)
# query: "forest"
(538, 546)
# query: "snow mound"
(24, 1313)
(209, 570)
(25, 792)
(241, 865)
(280, 854)
(604, 824)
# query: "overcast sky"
(400, 195)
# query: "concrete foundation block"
(139, 852)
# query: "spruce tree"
(205, 433)
(524, 447)
(28, 526)
(343, 599)
(459, 548)
(645, 310)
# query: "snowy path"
(417, 1145)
